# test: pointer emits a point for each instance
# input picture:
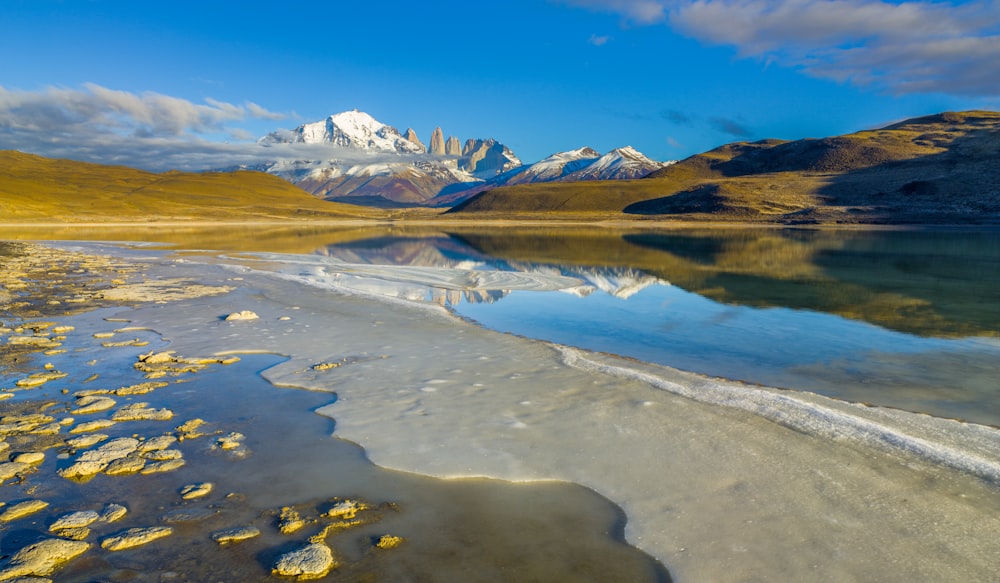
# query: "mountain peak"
(353, 129)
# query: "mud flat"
(719, 481)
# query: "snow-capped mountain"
(555, 167)
(352, 157)
(618, 164)
(350, 129)
(574, 165)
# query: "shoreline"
(715, 493)
(610, 223)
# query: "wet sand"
(722, 489)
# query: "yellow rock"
(135, 537)
(309, 562)
(141, 412)
(388, 541)
(22, 509)
(30, 458)
(234, 535)
(94, 425)
(192, 491)
(42, 558)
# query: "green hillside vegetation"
(37, 189)
(935, 169)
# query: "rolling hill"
(35, 189)
(943, 168)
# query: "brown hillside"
(935, 169)
(37, 189)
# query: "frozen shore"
(719, 481)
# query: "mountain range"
(356, 158)
(935, 169)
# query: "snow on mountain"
(351, 155)
(618, 164)
(554, 167)
(350, 129)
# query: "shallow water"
(474, 530)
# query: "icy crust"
(725, 487)
(960, 446)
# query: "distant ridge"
(37, 189)
(943, 168)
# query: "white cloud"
(598, 41)
(149, 130)
(901, 47)
(638, 11)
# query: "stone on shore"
(30, 458)
(85, 441)
(22, 509)
(42, 558)
(113, 513)
(235, 535)
(312, 561)
(135, 537)
(94, 425)
(242, 315)
(75, 520)
(192, 491)
(92, 404)
(141, 412)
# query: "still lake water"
(901, 319)
(906, 319)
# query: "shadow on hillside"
(702, 199)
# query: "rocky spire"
(453, 147)
(412, 136)
(437, 142)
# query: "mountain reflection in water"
(903, 319)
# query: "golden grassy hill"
(938, 169)
(37, 189)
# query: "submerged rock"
(188, 515)
(235, 535)
(10, 469)
(230, 441)
(42, 558)
(389, 541)
(135, 537)
(113, 513)
(192, 491)
(85, 441)
(312, 561)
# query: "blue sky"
(191, 84)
